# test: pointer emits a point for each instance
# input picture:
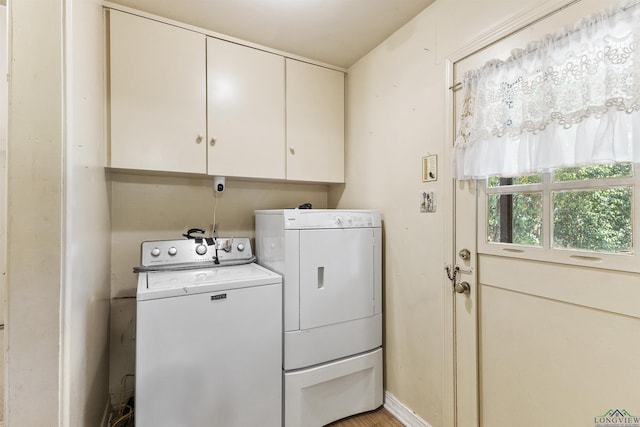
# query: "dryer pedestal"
(325, 393)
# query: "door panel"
(336, 276)
(539, 343)
(606, 290)
(551, 362)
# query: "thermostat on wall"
(430, 168)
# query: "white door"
(336, 276)
(546, 336)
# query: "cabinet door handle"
(199, 139)
(212, 142)
(292, 150)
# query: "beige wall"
(34, 217)
(3, 192)
(57, 297)
(148, 207)
(394, 118)
(396, 100)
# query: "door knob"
(463, 288)
(464, 254)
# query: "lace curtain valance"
(570, 99)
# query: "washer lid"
(184, 282)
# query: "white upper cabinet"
(246, 114)
(158, 96)
(183, 101)
(315, 123)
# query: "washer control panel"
(189, 251)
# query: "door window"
(575, 215)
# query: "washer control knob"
(155, 252)
(172, 251)
(201, 249)
(241, 247)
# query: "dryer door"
(336, 276)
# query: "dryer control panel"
(299, 219)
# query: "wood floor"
(378, 418)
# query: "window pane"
(495, 181)
(594, 220)
(515, 218)
(615, 170)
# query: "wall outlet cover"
(427, 201)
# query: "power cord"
(123, 415)
(215, 207)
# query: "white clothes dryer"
(331, 262)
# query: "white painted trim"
(403, 413)
(448, 373)
(509, 27)
(4, 14)
(115, 6)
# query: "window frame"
(546, 253)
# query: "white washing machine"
(208, 336)
(331, 262)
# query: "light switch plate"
(427, 201)
(430, 168)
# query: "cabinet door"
(315, 123)
(246, 115)
(158, 89)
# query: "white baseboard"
(405, 415)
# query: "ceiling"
(336, 32)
